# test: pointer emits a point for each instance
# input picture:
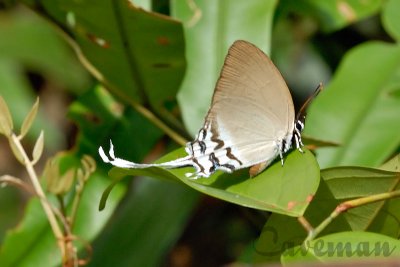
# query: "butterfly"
(251, 120)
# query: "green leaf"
(353, 182)
(334, 15)
(6, 123)
(343, 247)
(388, 218)
(392, 165)
(286, 190)
(60, 172)
(118, 174)
(17, 153)
(390, 18)
(88, 166)
(62, 183)
(210, 28)
(38, 148)
(313, 143)
(26, 125)
(358, 106)
(137, 54)
(10, 204)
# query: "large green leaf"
(390, 18)
(286, 190)
(333, 15)
(210, 28)
(359, 108)
(388, 218)
(353, 182)
(345, 246)
(139, 55)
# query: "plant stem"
(342, 207)
(9, 180)
(159, 123)
(75, 203)
(42, 197)
(306, 225)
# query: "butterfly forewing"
(250, 79)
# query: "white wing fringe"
(118, 162)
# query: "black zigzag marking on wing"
(230, 155)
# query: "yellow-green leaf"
(61, 184)
(17, 153)
(88, 164)
(392, 165)
(38, 148)
(6, 123)
(370, 132)
(26, 125)
(65, 182)
(50, 173)
(390, 18)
